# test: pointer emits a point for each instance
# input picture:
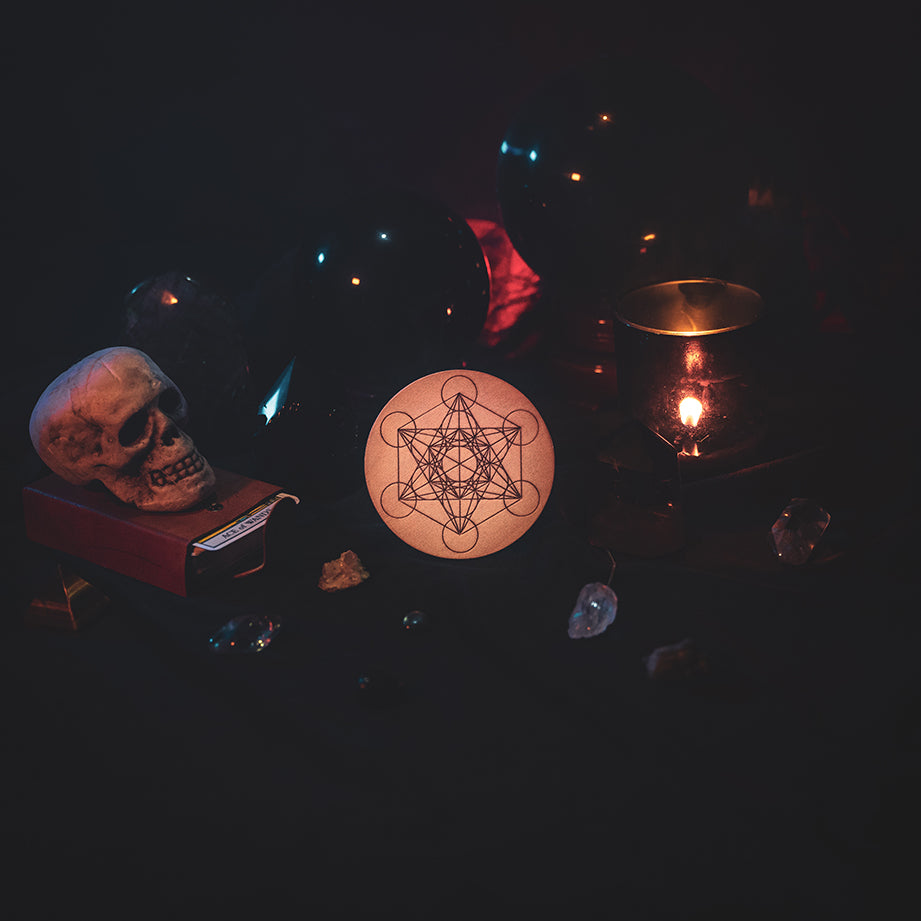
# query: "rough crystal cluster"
(343, 572)
(595, 610)
(798, 529)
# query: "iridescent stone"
(595, 610)
(246, 633)
(416, 622)
(798, 529)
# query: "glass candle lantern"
(685, 354)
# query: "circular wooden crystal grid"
(459, 464)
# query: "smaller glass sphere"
(416, 621)
(194, 334)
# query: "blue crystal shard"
(595, 610)
(246, 633)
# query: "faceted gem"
(246, 633)
(798, 529)
(416, 622)
(595, 610)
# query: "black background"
(523, 772)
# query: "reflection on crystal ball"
(613, 160)
(389, 286)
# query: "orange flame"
(690, 410)
(167, 298)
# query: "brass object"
(695, 307)
(66, 602)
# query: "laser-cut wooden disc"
(459, 464)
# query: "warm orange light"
(605, 117)
(449, 311)
(356, 280)
(693, 357)
(649, 236)
(598, 369)
(575, 177)
(167, 298)
(690, 410)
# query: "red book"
(176, 551)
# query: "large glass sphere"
(618, 166)
(388, 287)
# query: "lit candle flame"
(690, 410)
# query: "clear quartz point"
(798, 529)
(246, 633)
(595, 610)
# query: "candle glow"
(690, 410)
(693, 357)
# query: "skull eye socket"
(170, 401)
(133, 429)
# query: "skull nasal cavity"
(170, 434)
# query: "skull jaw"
(176, 496)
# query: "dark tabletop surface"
(518, 770)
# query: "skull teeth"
(190, 464)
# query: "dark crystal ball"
(389, 287)
(619, 159)
(193, 332)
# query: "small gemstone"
(246, 633)
(595, 610)
(798, 529)
(416, 621)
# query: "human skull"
(113, 417)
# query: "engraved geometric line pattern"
(460, 464)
